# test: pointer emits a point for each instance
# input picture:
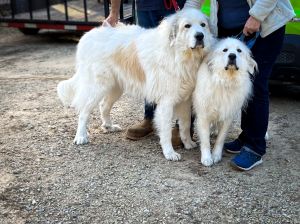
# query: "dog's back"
(105, 40)
(94, 49)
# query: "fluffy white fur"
(158, 64)
(222, 89)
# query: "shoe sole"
(245, 169)
(151, 133)
(232, 152)
(139, 138)
(178, 146)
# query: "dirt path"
(44, 178)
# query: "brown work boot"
(140, 130)
(145, 128)
(176, 140)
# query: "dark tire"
(29, 31)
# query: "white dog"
(222, 89)
(158, 64)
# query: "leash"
(248, 41)
(169, 4)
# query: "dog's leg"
(105, 108)
(81, 136)
(203, 129)
(163, 121)
(218, 148)
(86, 100)
(183, 111)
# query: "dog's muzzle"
(231, 62)
(199, 40)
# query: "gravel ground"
(44, 178)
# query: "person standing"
(248, 17)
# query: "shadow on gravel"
(60, 36)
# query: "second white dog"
(222, 89)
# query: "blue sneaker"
(246, 160)
(234, 146)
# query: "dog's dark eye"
(239, 50)
(203, 24)
(225, 50)
(187, 25)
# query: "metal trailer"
(81, 15)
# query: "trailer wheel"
(29, 31)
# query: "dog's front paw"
(80, 140)
(216, 157)
(190, 144)
(207, 160)
(173, 156)
(111, 128)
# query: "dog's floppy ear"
(252, 65)
(169, 26)
(210, 60)
(173, 30)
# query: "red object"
(51, 26)
(47, 26)
(169, 4)
(17, 25)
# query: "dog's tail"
(66, 91)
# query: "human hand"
(112, 19)
(252, 25)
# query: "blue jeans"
(255, 117)
(151, 19)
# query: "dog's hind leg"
(163, 121)
(183, 112)
(105, 107)
(85, 101)
(218, 148)
(81, 136)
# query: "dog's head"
(188, 29)
(231, 56)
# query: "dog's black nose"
(199, 36)
(232, 56)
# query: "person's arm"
(262, 8)
(113, 16)
(258, 13)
